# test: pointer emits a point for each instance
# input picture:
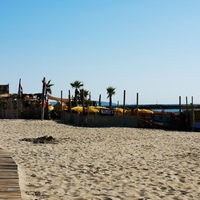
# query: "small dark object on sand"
(44, 139)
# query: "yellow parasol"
(144, 111)
(77, 109)
(89, 109)
(101, 107)
(119, 110)
(50, 107)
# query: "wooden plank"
(9, 179)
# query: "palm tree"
(110, 93)
(77, 85)
(45, 90)
(83, 94)
(48, 87)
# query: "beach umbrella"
(50, 107)
(77, 109)
(119, 110)
(144, 111)
(101, 107)
(89, 109)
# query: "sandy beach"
(102, 163)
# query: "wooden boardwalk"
(9, 180)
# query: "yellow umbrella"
(119, 110)
(144, 111)
(50, 107)
(80, 109)
(101, 107)
(91, 109)
(77, 109)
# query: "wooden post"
(187, 113)
(124, 102)
(193, 114)
(61, 99)
(43, 97)
(69, 97)
(100, 100)
(83, 104)
(137, 100)
(186, 104)
(1, 107)
(179, 104)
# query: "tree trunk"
(110, 102)
(76, 97)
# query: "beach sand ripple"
(102, 163)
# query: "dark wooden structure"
(4, 89)
(12, 106)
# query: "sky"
(149, 47)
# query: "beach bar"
(29, 106)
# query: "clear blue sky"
(150, 47)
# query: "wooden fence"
(96, 120)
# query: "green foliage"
(48, 87)
(110, 92)
(77, 85)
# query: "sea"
(166, 110)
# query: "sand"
(103, 163)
